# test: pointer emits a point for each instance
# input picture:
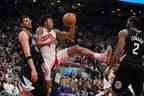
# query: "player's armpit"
(39, 31)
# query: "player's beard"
(28, 27)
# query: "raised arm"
(67, 35)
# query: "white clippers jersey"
(49, 51)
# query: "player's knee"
(78, 48)
(74, 49)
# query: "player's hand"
(34, 75)
(107, 71)
(46, 68)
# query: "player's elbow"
(26, 53)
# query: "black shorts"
(128, 73)
(40, 88)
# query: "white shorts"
(61, 57)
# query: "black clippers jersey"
(134, 45)
(36, 56)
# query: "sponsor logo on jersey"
(118, 85)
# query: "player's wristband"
(29, 57)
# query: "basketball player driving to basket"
(47, 38)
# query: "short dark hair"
(134, 21)
(43, 19)
(22, 17)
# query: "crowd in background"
(93, 31)
(89, 83)
(9, 59)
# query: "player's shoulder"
(22, 33)
(123, 32)
(40, 30)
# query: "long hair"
(43, 19)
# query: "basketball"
(69, 19)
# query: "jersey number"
(136, 47)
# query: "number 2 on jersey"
(136, 47)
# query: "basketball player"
(30, 62)
(46, 40)
(130, 40)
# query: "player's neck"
(25, 29)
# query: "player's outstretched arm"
(69, 20)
